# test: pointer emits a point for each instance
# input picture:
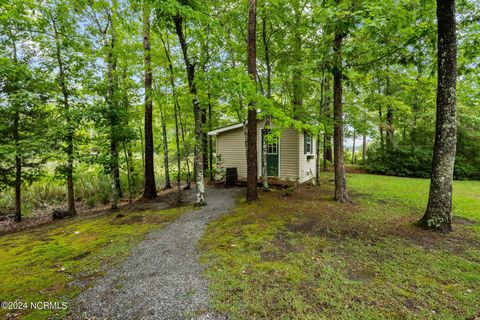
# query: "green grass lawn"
(414, 192)
(56, 261)
(304, 256)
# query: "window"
(272, 148)
(271, 140)
(307, 143)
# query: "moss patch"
(307, 257)
(57, 261)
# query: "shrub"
(91, 202)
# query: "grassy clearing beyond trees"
(413, 193)
(56, 261)
(305, 256)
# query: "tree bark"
(327, 147)
(439, 209)
(318, 166)
(268, 118)
(252, 166)
(380, 128)
(128, 142)
(380, 120)
(166, 164)
(142, 144)
(176, 108)
(197, 111)
(415, 110)
(70, 130)
(320, 114)
(340, 179)
(113, 117)
(186, 153)
(204, 140)
(129, 173)
(266, 131)
(18, 169)
(210, 138)
(207, 140)
(150, 190)
(353, 148)
(325, 151)
(297, 101)
(364, 148)
(179, 163)
(18, 159)
(390, 127)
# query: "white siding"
(293, 163)
(289, 154)
(307, 168)
(231, 147)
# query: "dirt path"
(162, 279)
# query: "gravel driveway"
(162, 279)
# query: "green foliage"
(414, 158)
(92, 187)
(24, 121)
(389, 64)
(402, 160)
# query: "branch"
(378, 58)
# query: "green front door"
(272, 156)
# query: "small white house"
(292, 158)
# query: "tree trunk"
(320, 114)
(176, 107)
(150, 190)
(143, 148)
(325, 151)
(115, 173)
(197, 111)
(18, 169)
(18, 159)
(380, 128)
(415, 110)
(210, 138)
(390, 130)
(353, 148)
(70, 129)
(129, 173)
(340, 179)
(204, 140)
(252, 166)
(207, 140)
(179, 163)
(165, 150)
(129, 153)
(268, 118)
(317, 159)
(245, 135)
(297, 100)
(328, 148)
(439, 209)
(328, 153)
(266, 131)
(186, 150)
(364, 148)
(389, 125)
(113, 117)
